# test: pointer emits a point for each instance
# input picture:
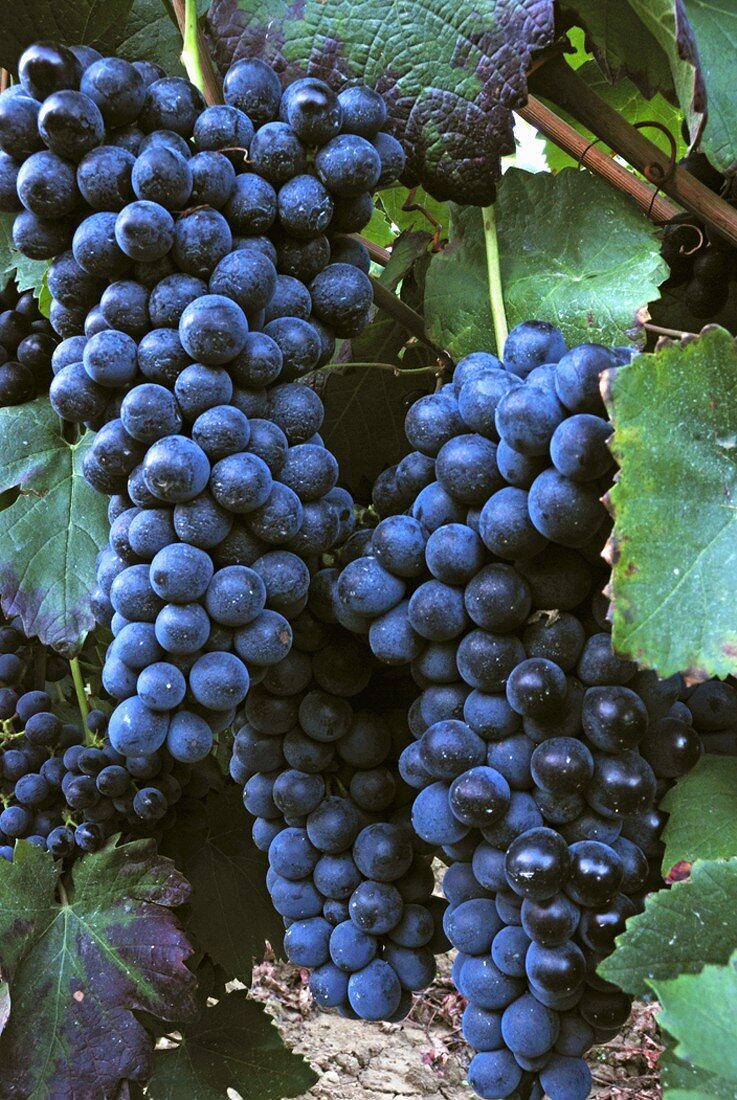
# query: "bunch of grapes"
(200, 268)
(63, 786)
(27, 342)
(700, 260)
(317, 752)
(539, 755)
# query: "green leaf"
(150, 34)
(230, 912)
(394, 199)
(50, 535)
(378, 229)
(684, 1081)
(591, 283)
(700, 1010)
(680, 931)
(622, 44)
(713, 26)
(626, 99)
(674, 415)
(451, 73)
(703, 813)
(77, 969)
(232, 1045)
(70, 21)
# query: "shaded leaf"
(230, 912)
(572, 252)
(622, 44)
(674, 415)
(50, 535)
(700, 1010)
(70, 21)
(77, 970)
(365, 409)
(450, 72)
(703, 813)
(232, 1045)
(150, 34)
(681, 929)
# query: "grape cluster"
(201, 267)
(27, 342)
(539, 754)
(700, 260)
(317, 753)
(64, 787)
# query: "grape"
(306, 942)
(202, 238)
(135, 728)
(213, 179)
(253, 87)
(143, 230)
(565, 511)
(577, 377)
(70, 123)
(596, 873)
(218, 680)
(175, 469)
(47, 185)
(566, 1078)
(350, 948)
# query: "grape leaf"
(682, 1080)
(70, 21)
(590, 282)
(622, 44)
(680, 931)
(232, 1045)
(365, 409)
(674, 415)
(77, 969)
(451, 73)
(50, 534)
(700, 1010)
(395, 199)
(150, 33)
(707, 33)
(230, 912)
(703, 813)
(626, 99)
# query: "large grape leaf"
(76, 969)
(232, 1045)
(680, 930)
(703, 813)
(700, 1011)
(50, 535)
(72, 21)
(674, 541)
(622, 44)
(230, 913)
(451, 70)
(572, 251)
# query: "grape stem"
(407, 317)
(658, 330)
(195, 56)
(496, 296)
(399, 371)
(79, 691)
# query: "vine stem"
(84, 710)
(560, 84)
(195, 56)
(406, 316)
(496, 296)
(588, 155)
(399, 371)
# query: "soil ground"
(425, 1056)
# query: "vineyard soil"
(425, 1056)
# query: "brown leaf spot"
(78, 996)
(679, 872)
